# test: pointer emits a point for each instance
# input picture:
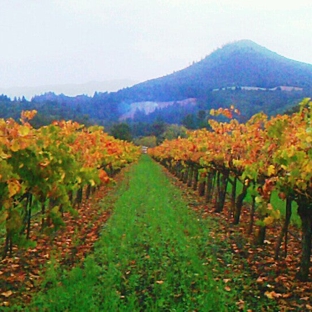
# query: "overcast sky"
(46, 42)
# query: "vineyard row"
(262, 155)
(44, 171)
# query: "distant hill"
(88, 88)
(242, 63)
(242, 73)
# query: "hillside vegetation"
(235, 66)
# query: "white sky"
(76, 41)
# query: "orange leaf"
(272, 294)
(14, 187)
(103, 176)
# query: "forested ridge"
(220, 79)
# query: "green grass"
(154, 254)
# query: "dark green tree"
(158, 127)
(121, 131)
(174, 131)
(189, 121)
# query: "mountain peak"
(244, 43)
(243, 46)
(240, 63)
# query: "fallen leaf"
(159, 282)
(269, 294)
(240, 304)
(227, 288)
(272, 294)
(14, 266)
(7, 293)
(5, 304)
(305, 298)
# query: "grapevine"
(44, 172)
(264, 155)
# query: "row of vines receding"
(44, 172)
(258, 157)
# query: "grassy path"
(154, 254)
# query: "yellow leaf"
(258, 200)
(271, 170)
(159, 282)
(15, 146)
(23, 130)
(14, 187)
(237, 162)
(3, 217)
(276, 214)
(7, 203)
(308, 139)
(55, 209)
(268, 220)
(269, 294)
(3, 155)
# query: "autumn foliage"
(43, 172)
(263, 155)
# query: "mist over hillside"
(242, 73)
(70, 89)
